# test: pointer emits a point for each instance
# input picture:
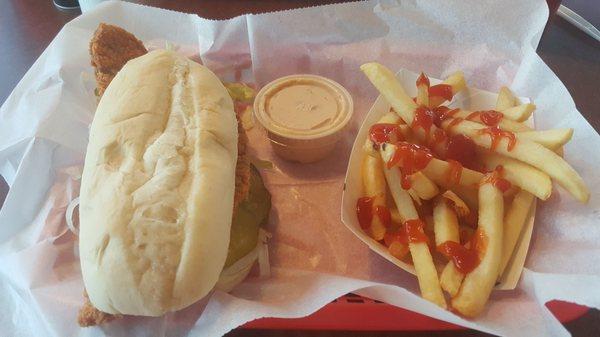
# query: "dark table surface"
(28, 26)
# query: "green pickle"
(240, 92)
(246, 222)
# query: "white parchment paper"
(44, 128)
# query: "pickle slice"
(251, 214)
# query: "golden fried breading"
(110, 48)
(89, 315)
(242, 168)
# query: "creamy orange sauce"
(303, 106)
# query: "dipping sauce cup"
(304, 115)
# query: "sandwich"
(170, 206)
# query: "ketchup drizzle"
(384, 133)
(465, 259)
(364, 211)
(411, 158)
(441, 90)
(415, 231)
(383, 213)
(454, 172)
(495, 178)
(489, 117)
(462, 149)
(395, 236)
(455, 122)
(423, 80)
(423, 119)
(442, 113)
(496, 135)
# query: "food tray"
(356, 313)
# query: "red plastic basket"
(356, 313)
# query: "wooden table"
(28, 26)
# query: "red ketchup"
(465, 259)
(364, 211)
(415, 231)
(384, 133)
(383, 213)
(439, 137)
(462, 149)
(423, 119)
(489, 117)
(422, 80)
(397, 243)
(496, 134)
(495, 178)
(442, 113)
(411, 158)
(441, 90)
(455, 122)
(454, 172)
(395, 236)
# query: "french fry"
(427, 275)
(451, 279)
(374, 186)
(519, 113)
(385, 81)
(404, 204)
(446, 229)
(398, 249)
(506, 99)
(423, 187)
(520, 174)
(458, 205)
(388, 85)
(551, 139)
(445, 222)
(422, 259)
(477, 285)
(456, 81)
(515, 219)
(438, 170)
(423, 90)
(389, 118)
(414, 196)
(395, 215)
(420, 185)
(369, 148)
(529, 152)
(505, 124)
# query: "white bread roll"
(157, 187)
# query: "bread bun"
(157, 188)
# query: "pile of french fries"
(428, 208)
